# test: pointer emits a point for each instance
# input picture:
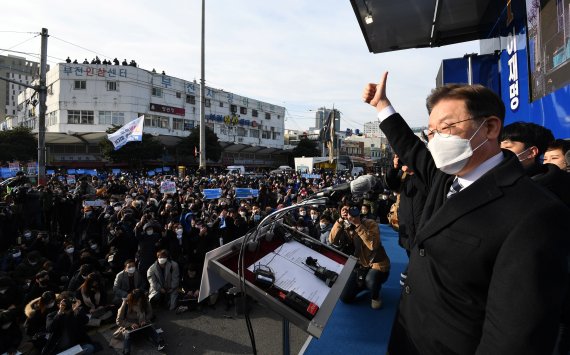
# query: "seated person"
(190, 288)
(135, 312)
(36, 312)
(79, 277)
(93, 296)
(40, 285)
(10, 334)
(163, 277)
(66, 328)
(126, 281)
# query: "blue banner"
(311, 176)
(210, 194)
(150, 173)
(7, 173)
(242, 192)
(71, 171)
(158, 170)
(116, 171)
(50, 172)
(166, 168)
(254, 192)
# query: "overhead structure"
(389, 25)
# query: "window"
(233, 108)
(109, 117)
(243, 110)
(79, 117)
(278, 117)
(266, 134)
(178, 95)
(80, 85)
(267, 116)
(207, 103)
(254, 113)
(191, 99)
(178, 123)
(254, 133)
(221, 104)
(111, 86)
(241, 132)
(276, 135)
(156, 121)
(157, 92)
(51, 118)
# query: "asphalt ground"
(212, 330)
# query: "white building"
(85, 99)
(372, 129)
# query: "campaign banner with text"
(130, 132)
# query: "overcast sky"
(300, 54)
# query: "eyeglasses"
(445, 131)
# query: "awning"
(407, 24)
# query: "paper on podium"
(292, 274)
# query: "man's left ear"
(494, 125)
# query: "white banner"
(130, 132)
(168, 187)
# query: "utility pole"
(202, 96)
(42, 91)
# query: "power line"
(78, 46)
(19, 32)
(29, 39)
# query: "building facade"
(372, 129)
(16, 69)
(84, 100)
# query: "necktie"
(454, 188)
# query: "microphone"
(357, 187)
(329, 191)
(328, 276)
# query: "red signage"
(167, 109)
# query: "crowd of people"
(116, 248)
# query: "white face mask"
(51, 305)
(302, 213)
(93, 246)
(69, 250)
(323, 225)
(179, 233)
(242, 214)
(521, 153)
(117, 208)
(452, 153)
(314, 216)
(162, 261)
(131, 270)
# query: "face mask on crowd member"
(451, 153)
(130, 267)
(149, 231)
(162, 257)
(314, 215)
(179, 232)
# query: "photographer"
(373, 264)
(67, 328)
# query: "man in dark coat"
(488, 272)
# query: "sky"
(300, 54)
